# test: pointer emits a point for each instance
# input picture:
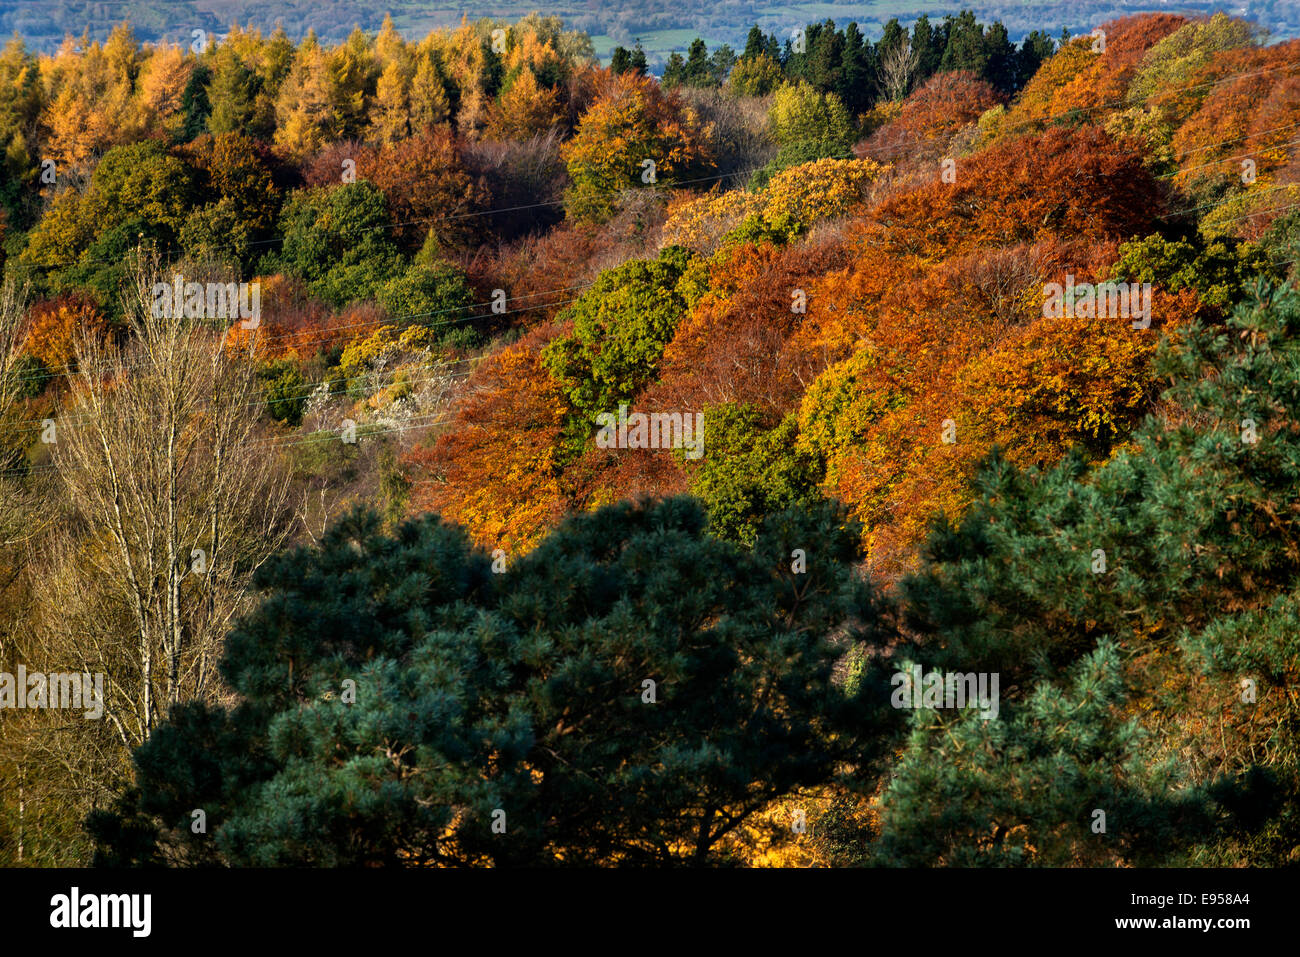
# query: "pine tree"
(773, 49)
(195, 108)
(857, 72)
(630, 692)
(891, 37)
(965, 49)
(826, 61)
(638, 61)
(674, 70)
(1027, 787)
(1000, 59)
(1034, 49)
(927, 41)
(697, 64)
(720, 64)
(1175, 550)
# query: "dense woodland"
(366, 588)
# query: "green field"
(657, 43)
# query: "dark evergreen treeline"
(858, 71)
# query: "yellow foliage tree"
(305, 108)
(162, 84)
(525, 108)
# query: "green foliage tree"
(696, 70)
(140, 193)
(800, 114)
(674, 70)
(1218, 270)
(857, 71)
(217, 232)
(336, 239)
(1000, 59)
(630, 692)
(967, 48)
(825, 62)
(1026, 787)
(749, 472)
(754, 76)
(436, 294)
(231, 92)
(808, 126)
(929, 43)
(620, 327)
(1034, 49)
(196, 109)
(285, 391)
(638, 60)
(754, 44)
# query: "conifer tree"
(1177, 552)
(638, 61)
(629, 693)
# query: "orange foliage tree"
(929, 119)
(732, 346)
(960, 359)
(423, 178)
(1088, 75)
(632, 122)
(1063, 182)
(54, 328)
(493, 468)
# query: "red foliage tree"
(1065, 183)
(922, 132)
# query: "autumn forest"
(842, 450)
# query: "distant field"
(662, 25)
(658, 43)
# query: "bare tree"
(52, 766)
(175, 501)
(13, 299)
(898, 67)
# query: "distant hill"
(661, 25)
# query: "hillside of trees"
(371, 579)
